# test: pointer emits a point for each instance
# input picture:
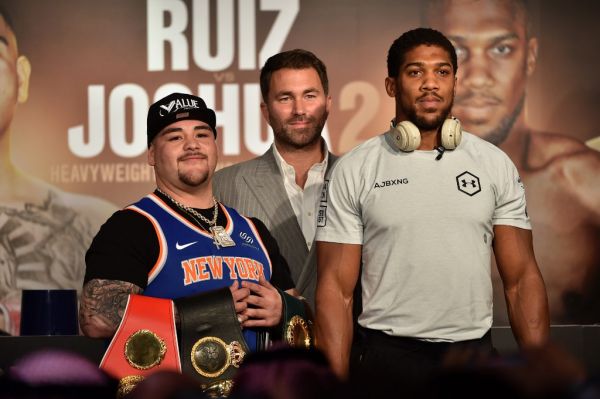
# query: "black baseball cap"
(178, 107)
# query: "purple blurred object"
(57, 367)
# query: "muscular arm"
(117, 264)
(102, 306)
(338, 268)
(524, 288)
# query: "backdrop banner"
(77, 83)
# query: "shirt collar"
(287, 169)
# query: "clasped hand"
(257, 305)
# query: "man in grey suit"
(284, 186)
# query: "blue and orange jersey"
(190, 263)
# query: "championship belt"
(297, 327)
(212, 346)
(145, 342)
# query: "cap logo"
(175, 105)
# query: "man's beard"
(300, 138)
(500, 133)
(427, 125)
(193, 179)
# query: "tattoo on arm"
(103, 304)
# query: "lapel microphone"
(440, 149)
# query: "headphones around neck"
(407, 137)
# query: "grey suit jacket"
(255, 188)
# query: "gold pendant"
(221, 238)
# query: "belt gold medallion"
(298, 333)
(144, 349)
(211, 356)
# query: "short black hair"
(6, 16)
(293, 59)
(414, 38)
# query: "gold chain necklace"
(220, 237)
(195, 214)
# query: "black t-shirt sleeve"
(281, 276)
(125, 249)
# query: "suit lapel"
(266, 184)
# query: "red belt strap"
(147, 321)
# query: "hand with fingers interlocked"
(240, 295)
(263, 304)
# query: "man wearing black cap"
(178, 241)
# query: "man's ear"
(264, 111)
(151, 160)
(454, 89)
(390, 86)
(23, 74)
(532, 55)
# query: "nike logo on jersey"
(184, 246)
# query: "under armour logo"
(468, 183)
(472, 182)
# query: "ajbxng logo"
(392, 182)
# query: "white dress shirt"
(305, 202)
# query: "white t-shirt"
(426, 229)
